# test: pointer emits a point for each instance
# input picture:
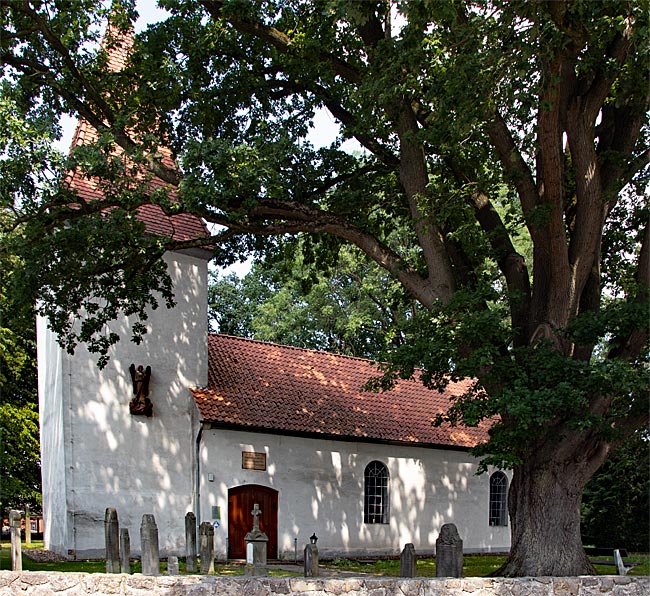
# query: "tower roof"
(182, 226)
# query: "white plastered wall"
(106, 457)
(320, 484)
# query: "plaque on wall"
(251, 460)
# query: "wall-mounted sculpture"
(140, 404)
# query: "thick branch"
(515, 167)
(414, 177)
(601, 84)
(510, 262)
(552, 276)
(272, 217)
(617, 137)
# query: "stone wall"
(79, 584)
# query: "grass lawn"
(473, 565)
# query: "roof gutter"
(332, 437)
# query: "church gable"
(261, 386)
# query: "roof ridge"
(272, 343)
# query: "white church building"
(193, 421)
(236, 422)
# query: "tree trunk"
(544, 506)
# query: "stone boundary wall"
(42, 583)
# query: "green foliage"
(616, 502)
(351, 308)
(19, 431)
(19, 457)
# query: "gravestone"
(16, 549)
(408, 561)
(449, 552)
(125, 550)
(190, 542)
(256, 543)
(311, 557)
(172, 565)
(149, 545)
(206, 547)
(112, 540)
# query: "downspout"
(197, 495)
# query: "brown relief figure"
(140, 404)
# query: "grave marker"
(125, 550)
(28, 526)
(311, 557)
(16, 549)
(149, 545)
(408, 561)
(112, 540)
(172, 565)
(256, 543)
(190, 542)
(449, 552)
(206, 547)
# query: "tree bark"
(544, 505)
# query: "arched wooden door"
(241, 500)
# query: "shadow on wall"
(137, 464)
(321, 490)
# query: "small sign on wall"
(252, 460)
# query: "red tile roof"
(268, 387)
(182, 226)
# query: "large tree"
(485, 126)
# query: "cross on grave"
(256, 514)
(256, 542)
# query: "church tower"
(100, 445)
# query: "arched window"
(498, 499)
(375, 498)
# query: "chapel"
(235, 422)
(194, 421)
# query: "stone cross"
(256, 544)
(449, 552)
(408, 561)
(256, 514)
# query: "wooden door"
(241, 500)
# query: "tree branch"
(510, 262)
(414, 177)
(279, 39)
(515, 168)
